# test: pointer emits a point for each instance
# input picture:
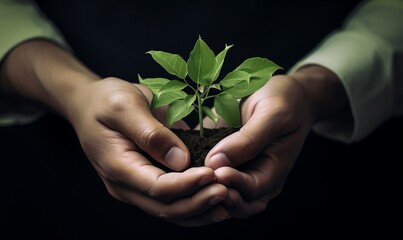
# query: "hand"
(113, 121)
(255, 161)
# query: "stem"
(200, 112)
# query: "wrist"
(324, 89)
(40, 71)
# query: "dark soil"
(198, 146)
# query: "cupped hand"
(255, 161)
(113, 121)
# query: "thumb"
(257, 133)
(235, 149)
(161, 144)
(135, 121)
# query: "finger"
(197, 207)
(216, 214)
(134, 171)
(259, 130)
(117, 162)
(259, 178)
(129, 114)
(239, 208)
(170, 186)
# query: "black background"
(49, 190)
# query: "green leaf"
(260, 70)
(177, 111)
(228, 108)
(219, 61)
(154, 84)
(204, 68)
(244, 89)
(216, 86)
(256, 64)
(173, 85)
(189, 100)
(209, 113)
(234, 78)
(167, 97)
(172, 63)
(201, 63)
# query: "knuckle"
(156, 191)
(152, 192)
(150, 136)
(112, 172)
(117, 101)
(261, 188)
(113, 192)
(285, 111)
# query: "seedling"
(198, 76)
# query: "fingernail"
(218, 160)
(176, 158)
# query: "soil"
(199, 146)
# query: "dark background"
(49, 190)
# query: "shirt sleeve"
(22, 20)
(366, 53)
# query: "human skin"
(112, 119)
(276, 121)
